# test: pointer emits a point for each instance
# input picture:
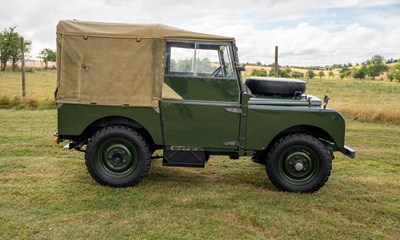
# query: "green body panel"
(210, 89)
(214, 126)
(265, 122)
(207, 117)
(73, 119)
(201, 124)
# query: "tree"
(360, 73)
(376, 66)
(394, 73)
(10, 47)
(344, 69)
(296, 74)
(283, 73)
(342, 75)
(330, 74)
(321, 74)
(4, 53)
(310, 74)
(288, 71)
(260, 73)
(390, 61)
(16, 53)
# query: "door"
(205, 112)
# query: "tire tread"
(320, 149)
(90, 154)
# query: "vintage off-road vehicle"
(127, 90)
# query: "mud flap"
(185, 158)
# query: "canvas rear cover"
(114, 64)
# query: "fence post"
(23, 66)
(276, 62)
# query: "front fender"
(265, 122)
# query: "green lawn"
(46, 193)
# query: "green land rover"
(127, 90)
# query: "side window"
(180, 58)
(199, 60)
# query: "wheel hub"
(117, 157)
(299, 166)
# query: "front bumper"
(348, 151)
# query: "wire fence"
(31, 64)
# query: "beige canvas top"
(125, 30)
(115, 64)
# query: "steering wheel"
(216, 71)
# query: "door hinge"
(234, 110)
(231, 143)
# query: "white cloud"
(303, 38)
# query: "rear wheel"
(299, 163)
(117, 156)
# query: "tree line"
(371, 68)
(10, 49)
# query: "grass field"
(46, 192)
(365, 100)
(39, 84)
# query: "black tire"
(298, 163)
(275, 86)
(117, 156)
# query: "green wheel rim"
(117, 157)
(298, 165)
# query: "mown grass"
(46, 193)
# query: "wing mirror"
(326, 100)
(241, 67)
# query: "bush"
(360, 73)
(4, 102)
(310, 73)
(25, 103)
(259, 73)
(31, 102)
(296, 74)
(394, 73)
(16, 101)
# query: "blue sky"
(308, 32)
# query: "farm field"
(365, 100)
(46, 192)
(39, 84)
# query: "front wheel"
(117, 156)
(299, 163)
